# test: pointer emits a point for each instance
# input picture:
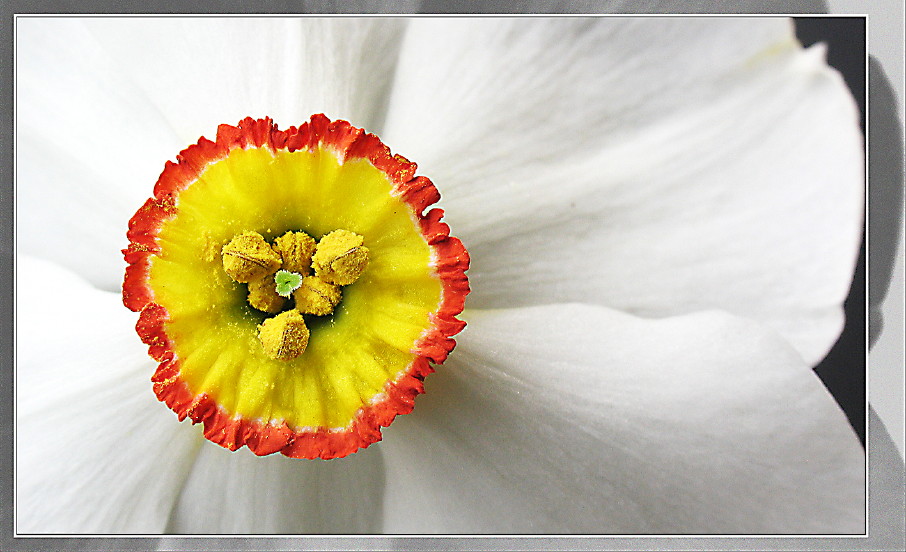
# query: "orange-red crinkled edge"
(449, 257)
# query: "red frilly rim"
(449, 257)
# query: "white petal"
(103, 103)
(95, 451)
(577, 419)
(89, 147)
(241, 493)
(561, 87)
(201, 72)
(659, 166)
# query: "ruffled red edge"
(449, 258)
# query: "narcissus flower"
(662, 217)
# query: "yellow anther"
(340, 257)
(248, 257)
(315, 296)
(263, 295)
(285, 336)
(296, 249)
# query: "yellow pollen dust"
(315, 296)
(285, 336)
(296, 249)
(339, 259)
(263, 295)
(248, 257)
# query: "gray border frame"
(886, 471)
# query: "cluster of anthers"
(280, 273)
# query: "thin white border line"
(866, 200)
(15, 243)
(431, 536)
(865, 203)
(441, 15)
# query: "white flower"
(662, 214)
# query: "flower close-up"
(241, 359)
(432, 276)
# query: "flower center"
(280, 270)
(243, 311)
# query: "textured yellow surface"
(351, 353)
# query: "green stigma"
(287, 282)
